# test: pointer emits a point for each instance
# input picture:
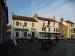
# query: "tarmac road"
(63, 48)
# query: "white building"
(34, 27)
(47, 27)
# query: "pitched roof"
(24, 18)
(46, 19)
(43, 18)
(68, 21)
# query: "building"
(3, 20)
(23, 27)
(47, 27)
(73, 33)
(66, 28)
(34, 27)
(70, 29)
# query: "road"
(63, 48)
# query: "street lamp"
(23, 29)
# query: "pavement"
(63, 48)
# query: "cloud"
(50, 7)
(59, 9)
(47, 8)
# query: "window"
(49, 35)
(32, 24)
(25, 34)
(29, 35)
(54, 23)
(43, 23)
(48, 23)
(20, 24)
(72, 31)
(43, 28)
(17, 23)
(54, 29)
(17, 34)
(72, 25)
(49, 29)
(25, 24)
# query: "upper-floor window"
(72, 25)
(43, 23)
(17, 23)
(17, 34)
(32, 24)
(20, 24)
(48, 23)
(54, 23)
(54, 29)
(49, 29)
(25, 24)
(43, 28)
(57, 30)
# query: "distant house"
(24, 27)
(67, 28)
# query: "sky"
(44, 8)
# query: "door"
(33, 35)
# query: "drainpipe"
(12, 32)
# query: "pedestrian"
(56, 39)
(42, 45)
(46, 45)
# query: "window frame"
(25, 34)
(17, 34)
(25, 24)
(33, 24)
(17, 23)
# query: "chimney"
(61, 20)
(35, 15)
(54, 17)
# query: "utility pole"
(12, 31)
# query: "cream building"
(66, 28)
(34, 27)
(70, 25)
